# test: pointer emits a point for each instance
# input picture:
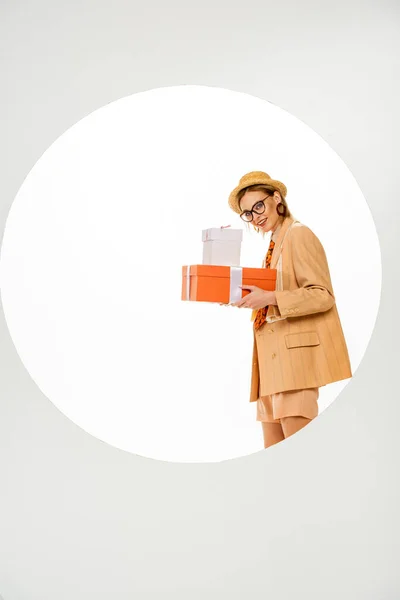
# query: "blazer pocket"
(308, 338)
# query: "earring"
(281, 213)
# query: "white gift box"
(221, 246)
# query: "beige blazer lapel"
(273, 313)
(279, 242)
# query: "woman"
(299, 344)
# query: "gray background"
(314, 517)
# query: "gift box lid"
(222, 234)
(223, 271)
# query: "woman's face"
(269, 219)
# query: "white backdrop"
(94, 244)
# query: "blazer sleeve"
(315, 293)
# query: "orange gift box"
(215, 283)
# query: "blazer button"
(274, 355)
(270, 331)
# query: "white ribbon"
(236, 279)
(188, 282)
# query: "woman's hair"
(262, 188)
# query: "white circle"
(92, 257)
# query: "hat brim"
(277, 185)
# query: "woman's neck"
(276, 230)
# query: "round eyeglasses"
(258, 208)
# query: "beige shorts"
(293, 403)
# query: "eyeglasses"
(258, 208)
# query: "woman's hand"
(257, 298)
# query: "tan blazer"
(302, 343)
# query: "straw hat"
(254, 178)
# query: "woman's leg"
(291, 425)
(296, 408)
(272, 430)
(272, 433)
